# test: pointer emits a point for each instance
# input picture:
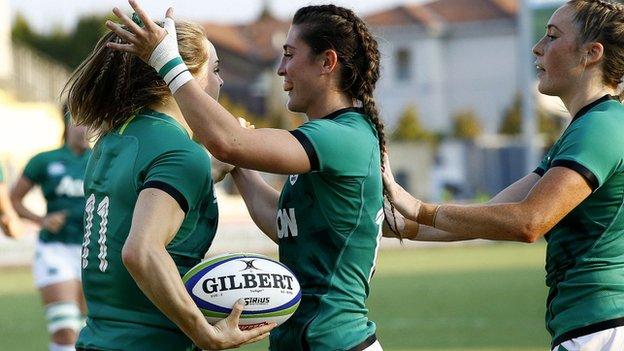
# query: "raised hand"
(155, 45)
(140, 41)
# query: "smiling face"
(208, 75)
(559, 58)
(301, 72)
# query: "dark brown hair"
(110, 86)
(603, 21)
(330, 27)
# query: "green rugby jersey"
(152, 150)
(585, 253)
(60, 174)
(328, 223)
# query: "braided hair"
(603, 21)
(110, 86)
(325, 27)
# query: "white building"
(447, 56)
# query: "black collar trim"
(341, 111)
(588, 107)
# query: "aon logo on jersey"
(286, 223)
(70, 187)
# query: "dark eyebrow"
(553, 26)
(286, 47)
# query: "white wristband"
(167, 61)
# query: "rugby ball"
(270, 290)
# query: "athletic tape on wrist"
(166, 59)
(427, 214)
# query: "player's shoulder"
(158, 132)
(49, 155)
(349, 120)
(605, 121)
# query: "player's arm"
(155, 221)
(517, 191)
(260, 198)
(19, 191)
(53, 222)
(269, 150)
(411, 230)
(552, 197)
(9, 221)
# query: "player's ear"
(594, 52)
(329, 61)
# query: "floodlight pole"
(527, 78)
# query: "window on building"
(403, 64)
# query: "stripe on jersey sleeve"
(173, 192)
(580, 169)
(309, 149)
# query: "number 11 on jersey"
(102, 211)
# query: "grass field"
(486, 298)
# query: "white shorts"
(55, 263)
(605, 340)
(371, 341)
(374, 347)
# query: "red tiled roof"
(458, 11)
(257, 39)
(448, 11)
(509, 6)
(402, 15)
(253, 40)
(227, 36)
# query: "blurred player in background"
(327, 220)
(151, 212)
(60, 174)
(575, 196)
(9, 220)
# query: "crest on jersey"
(293, 178)
(250, 265)
(56, 168)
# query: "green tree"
(409, 127)
(512, 120)
(68, 48)
(21, 31)
(466, 125)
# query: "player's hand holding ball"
(226, 334)
(269, 291)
